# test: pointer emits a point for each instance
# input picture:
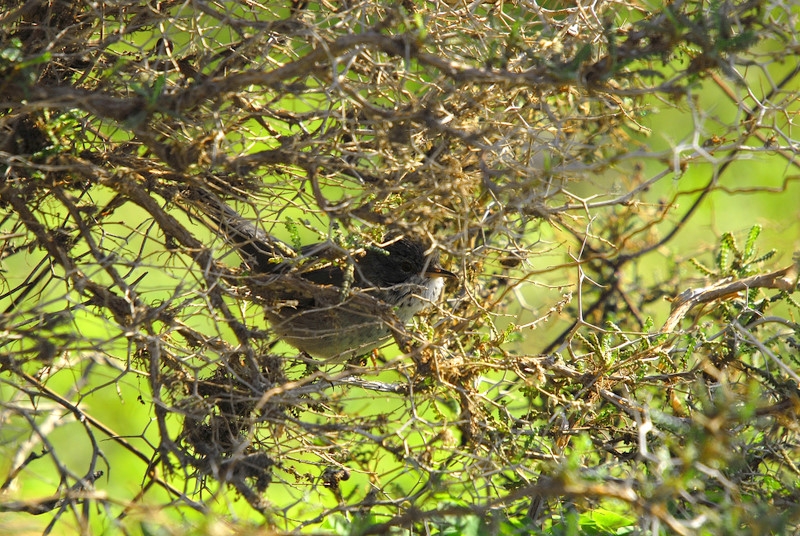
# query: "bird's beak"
(436, 271)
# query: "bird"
(329, 305)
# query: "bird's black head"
(401, 261)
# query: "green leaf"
(749, 247)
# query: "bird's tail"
(262, 252)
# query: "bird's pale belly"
(338, 331)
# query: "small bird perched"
(338, 310)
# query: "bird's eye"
(407, 266)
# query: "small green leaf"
(726, 245)
(749, 247)
(158, 89)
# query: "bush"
(614, 185)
